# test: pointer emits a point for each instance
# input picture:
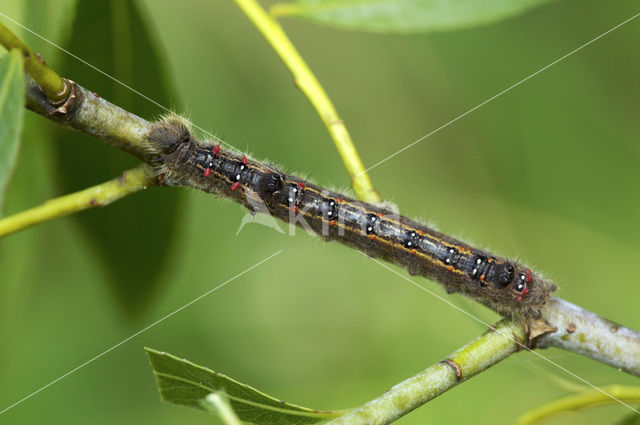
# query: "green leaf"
(182, 382)
(630, 419)
(11, 112)
(133, 237)
(405, 16)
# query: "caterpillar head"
(521, 291)
(167, 134)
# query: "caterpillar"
(503, 285)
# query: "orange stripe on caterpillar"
(497, 282)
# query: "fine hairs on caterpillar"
(501, 284)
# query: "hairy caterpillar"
(503, 285)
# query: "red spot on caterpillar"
(528, 278)
(525, 291)
(244, 160)
(216, 149)
(339, 200)
(207, 172)
(482, 278)
(450, 268)
(519, 299)
(420, 232)
(301, 185)
(235, 185)
(489, 260)
(332, 223)
(372, 237)
(296, 209)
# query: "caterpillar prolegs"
(507, 287)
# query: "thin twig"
(310, 86)
(55, 88)
(129, 182)
(495, 345)
(584, 400)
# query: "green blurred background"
(547, 173)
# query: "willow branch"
(310, 86)
(54, 87)
(87, 112)
(129, 182)
(117, 127)
(572, 328)
(586, 333)
(493, 346)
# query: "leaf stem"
(310, 86)
(591, 398)
(55, 87)
(218, 404)
(129, 182)
(493, 346)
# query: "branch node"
(455, 366)
(68, 104)
(41, 59)
(536, 330)
(519, 342)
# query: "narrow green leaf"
(11, 112)
(185, 383)
(133, 237)
(405, 16)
